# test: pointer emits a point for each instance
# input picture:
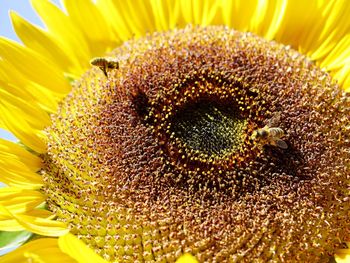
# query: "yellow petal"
(238, 14)
(77, 249)
(301, 29)
(316, 32)
(268, 17)
(35, 224)
(70, 38)
(42, 226)
(21, 129)
(18, 200)
(36, 117)
(125, 19)
(34, 66)
(13, 151)
(41, 213)
(45, 44)
(40, 250)
(13, 82)
(339, 55)
(139, 19)
(199, 12)
(115, 21)
(99, 34)
(16, 84)
(336, 13)
(343, 77)
(8, 223)
(20, 178)
(166, 14)
(38, 212)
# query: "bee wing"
(274, 120)
(281, 144)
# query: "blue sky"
(23, 8)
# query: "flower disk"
(159, 158)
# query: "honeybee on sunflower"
(163, 158)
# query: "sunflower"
(177, 131)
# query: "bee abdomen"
(276, 132)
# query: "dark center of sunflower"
(202, 123)
(208, 127)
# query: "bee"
(270, 133)
(105, 64)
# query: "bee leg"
(104, 70)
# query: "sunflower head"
(196, 142)
(160, 157)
